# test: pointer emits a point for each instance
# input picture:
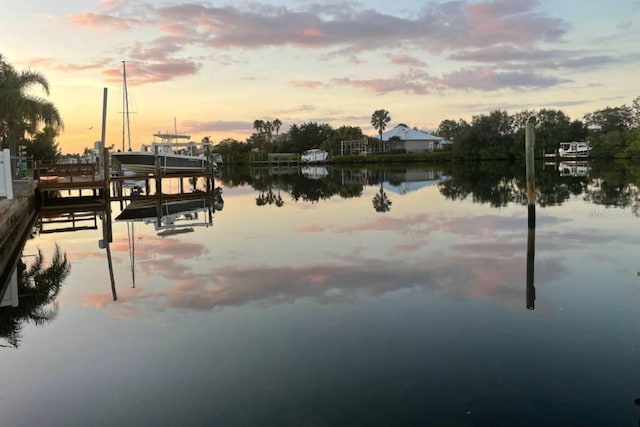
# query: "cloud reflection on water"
(492, 268)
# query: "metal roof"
(408, 134)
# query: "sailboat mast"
(125, 108)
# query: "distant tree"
(343, 133)
(610, 144)
(258, 125)
(379, 120)
(43, 147)
(552, 127)
(450, 129)
(519, 120)
(309, 135)
(616, 118)
(633, 149)
(268, 129)
(276, 125)
(636, 112)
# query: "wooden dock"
(81, 187)
(81, 179)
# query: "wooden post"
(530, 141)
(107, 232)
(158, 188)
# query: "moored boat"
(314, 155)
(574, 149)
(171, 159)
(173, 215)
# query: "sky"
(212, 68)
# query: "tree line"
(612, 132)
(34, 122)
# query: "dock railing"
(71, 171)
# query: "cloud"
(414, 81)
(62, 66)
(347, 26)
(307, 84)
(216, 126)
(484, 276)
(403, 59)
(493, 255)
(502, 35)
(102, 21)
(511, 57)
(486, 79)
(144, 72)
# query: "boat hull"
(574, 150)
(148, 210)
(145, 163)
(314, 156)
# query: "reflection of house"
(412, 141)
(413, 179)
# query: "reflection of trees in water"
(38, 288)
(270, 198)
(496, 183)
(301, 188)
(500, 183)
(611, 185)
(616, 187)
(381, 203)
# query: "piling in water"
(530, 141)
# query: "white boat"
(314, 172)
(314, 155)
(574, 149)
(174, 157)
(574, 168)
(174, 214)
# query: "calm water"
(356, 297)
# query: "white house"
(411, 140)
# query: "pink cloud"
(311, 229)
(381, 86)
(307, 84)
(403, 59)
(346, 30)
(97, 21)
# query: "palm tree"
(261, 200)
(279, 202)
(19, 110)
(379, 120)
(258, 125)
(276, 125)
(268, 127)
(38, 287)
(381, 203)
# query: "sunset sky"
(212, 68)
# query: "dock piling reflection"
(530, 141)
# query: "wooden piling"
(530, 141)
(158, 179)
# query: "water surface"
(349, 297)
